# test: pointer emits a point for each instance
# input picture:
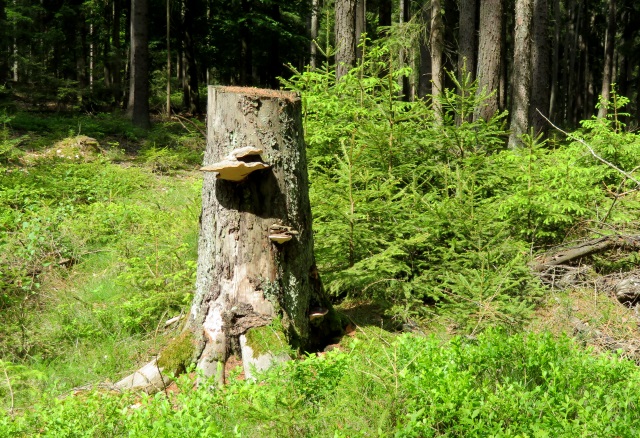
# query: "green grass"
(95, 254)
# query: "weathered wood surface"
(244, 280)
(585, 249)
(149, 379)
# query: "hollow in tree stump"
(258, 292)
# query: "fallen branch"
(585, 249)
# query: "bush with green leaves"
(493, 385)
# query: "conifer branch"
(597, 157)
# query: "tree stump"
(258, 292)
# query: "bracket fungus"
(280, 233)
(235, 166)
(317, 313)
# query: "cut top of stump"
(291, 96)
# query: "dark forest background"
(73, 53)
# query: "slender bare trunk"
(607, 74)
(168, 58)
(539, 65)
(555, 61)
(437, 48)
(313, 49)
(138, 107)
(360, 26)
(521, 72)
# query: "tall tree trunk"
(92, 55)
(138, 108)
(4, 44)
(569, 25)
(575, 29)
(424, 77)
(345, 36)
(107, 61)
(190, 95)
(245, 280)
(404, 15)
(489, 54)
(313, 31)
(555, 62)
(81, 52)
(607, 73)
(467, 39)
(539, 66)
(360, 26)
(116, 83)
(437, 48)
(521, 72)
(168, 4)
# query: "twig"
(190, 121)
(6, 376)
(597, 157)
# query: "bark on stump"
(250, 288)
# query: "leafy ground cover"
(409, 386)
(97, 247)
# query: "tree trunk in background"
(313, 50)
(555, 62)
(572, 48)
(168, 4)
(404, 15)
(424, 77)
(521, 72)
(539, 66)
(437, 48)
(4, 44)
(245, 281)
(116, 66)
(360, 26)
(190, 96)
(138, 107)
(467, 39)
(607, 71)
(81, 52)
(345, 36)
(489, 53)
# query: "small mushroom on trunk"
(280, 233)
(280, 238)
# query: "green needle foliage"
(410, 211)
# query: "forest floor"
(111, 234)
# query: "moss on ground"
(268, 338)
